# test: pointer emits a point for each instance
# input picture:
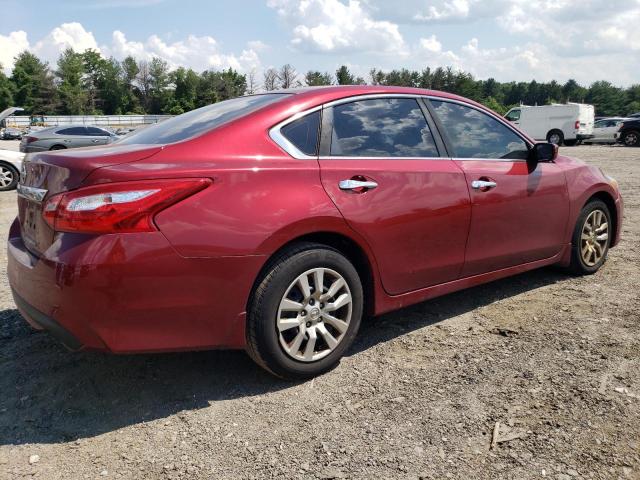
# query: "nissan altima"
(276, 222)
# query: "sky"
(519, 40)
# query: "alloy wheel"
(631, 139)
(314, 314)
(554, 138)
(595, 235)
(6, 177)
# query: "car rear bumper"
(131, 293)
(26, 148)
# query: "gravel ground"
(548, 362)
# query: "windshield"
(199, 121)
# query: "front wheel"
(8, 178)
(305, 312)
(591, 238)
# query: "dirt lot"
(554, 360)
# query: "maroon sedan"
(274, 222)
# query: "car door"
(98, 136)
(382, 165)
(517, 216)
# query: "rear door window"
(384, 127)
(97, 132)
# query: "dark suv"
(629, 133)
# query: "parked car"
(566, 124)
(10, 166)
(635, 115)
(605, 129)
(10, 133)
(274, 222)
(68, 136)
(629, 133)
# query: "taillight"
(123, 207)
(28, 139)
(577, 126)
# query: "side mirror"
(541, 152)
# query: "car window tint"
(386, 127)
(96, 132)
(72, 131)
(199, 121)
(474, 134)
(303, 133)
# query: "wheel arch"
(350, 248)
(610, 202)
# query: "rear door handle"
(483, 184)
(355, 184)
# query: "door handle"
(95, 141)
(355, 184)
(483, 184)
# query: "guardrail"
(23, 121)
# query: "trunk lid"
(48, 173)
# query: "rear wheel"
(305, 312)
(591, 238)
(8, 177)
(58, 147)
(631, 139)
(556, 137)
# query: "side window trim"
(284, 143)
(448, 142)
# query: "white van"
(557, 123)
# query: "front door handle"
(357, 184)
(483, 184)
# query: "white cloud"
(68, 35)
(199, 53)
(334, 26)
(445, 10)
(10, 46)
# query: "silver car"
(68, 136)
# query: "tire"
(586, 266)
(571, 143)
(9, 177)
(631, 138)
(556, 137)
(58, 147)
(279, 340)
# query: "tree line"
(88, 84)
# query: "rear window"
(199, 121)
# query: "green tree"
(159, 93)
(185, 83)
(6, 91)
(73, 97)
(607, 99)
(131, 94)
(33, 85)
(314, 78)
(94, 66)
(344, 76)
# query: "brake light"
(28, 139)
(577, 126)
(122, 207)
